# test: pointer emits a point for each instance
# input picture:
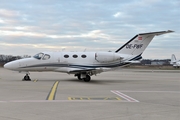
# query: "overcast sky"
(32, 26)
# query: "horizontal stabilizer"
(157, 33)
(133, 62)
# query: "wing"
(91, 71)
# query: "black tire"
(79, 77)
(87, 79)
(26, 78)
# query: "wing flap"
(81, 70)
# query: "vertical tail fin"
(138, 43)
(173, 59)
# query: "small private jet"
(174, 62)
(85, 64)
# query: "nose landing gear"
(26, 78)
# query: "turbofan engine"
(105, 57)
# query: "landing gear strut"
(84, 77)
(26, 78)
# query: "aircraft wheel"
(87, 79)
(79, 77)
(26, 78)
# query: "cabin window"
(46, 57)
(66, 56)
(83, 56)
(38, 56)
(75, 56)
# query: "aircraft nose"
(7, 66)
(10, 66)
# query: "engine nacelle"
(105, 57)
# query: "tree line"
(8, 58)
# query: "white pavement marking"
(54, 101)
(130, 99)
(150, 91)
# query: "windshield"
(38, 56)
(46, 57)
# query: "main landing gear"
(26, 77)
(84, 77)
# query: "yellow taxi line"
(52, 93)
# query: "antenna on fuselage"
(85, 50)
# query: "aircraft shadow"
(93, 81)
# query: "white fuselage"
(69, 61)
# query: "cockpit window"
(46, 56)
(38, 56)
